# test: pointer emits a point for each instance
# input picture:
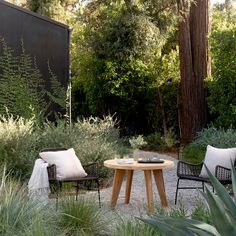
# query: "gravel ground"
(137, 206)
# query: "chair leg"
(99, 197)
(89, 185)
(77, 191)
(176, 193)
(56, 190)
(203, 187)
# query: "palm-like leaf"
(222, 206)
(180, 226)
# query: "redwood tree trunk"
(194, 68)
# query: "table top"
(134, 165)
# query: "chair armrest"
(222, 173)
(52, 172)
(91, 168)
(188, 169)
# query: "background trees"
(124, 60)
(222, 84)
(57, 9)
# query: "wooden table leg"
(158, 175)
(148, 180)
(128, 185)
(117, 181)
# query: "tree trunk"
(194, 68)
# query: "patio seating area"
(117, 118)
(138, 200)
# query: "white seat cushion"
(68, 165)
(217, 156)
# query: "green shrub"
(123, 150)
(96, 140)
(82, 217)
(53, 135)
(93, 139)
(154, 141)
(201, 213)
(193, 153)
(220, 138)
(180, 211)
(137, 142)
(21, 216)
(222, 85)
(17, 145)
(170, 138)
(134, 228)
(21, 140)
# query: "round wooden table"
(148, 169)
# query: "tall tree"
(194, 68)
(222, 85)
(56, 9)
(21, 3)
(194, 59)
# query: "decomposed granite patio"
(138, 201)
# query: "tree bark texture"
(194, 68)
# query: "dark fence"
(44, 39)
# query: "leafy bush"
(170, 138)
(220, 138)
(193, 154)
(82, 217)
(222, 86)
(17, 142)
(93, 139)
(154, 141)
(201, 213)
(96, 140)
(21, 140)
(137, 142)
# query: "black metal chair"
(188, 171)
(89, 181)
(223, 174)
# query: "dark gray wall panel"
(44, 39)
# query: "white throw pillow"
(68, 165)
(217, 156)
